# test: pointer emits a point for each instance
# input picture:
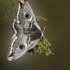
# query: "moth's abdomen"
(35, 35)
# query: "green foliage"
(43, 44)
(12, 2)
(38, 18)
(6, 8)
(5, 17)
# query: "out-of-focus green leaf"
(5, 18)
(12, 2)
(6, 8)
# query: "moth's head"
(18, 48)
(22, 2)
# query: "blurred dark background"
(57, 13)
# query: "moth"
(27, 32)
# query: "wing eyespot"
(27, 16)
(22, 46)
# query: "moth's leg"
(31, 24)
(28, 40)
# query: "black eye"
(27, 15)
(22, 46)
